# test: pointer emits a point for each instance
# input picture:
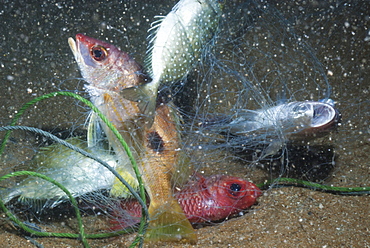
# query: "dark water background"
(35, 59)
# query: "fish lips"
(81, 49)
(325, 118)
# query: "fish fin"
(271, 149)
(95, 132)
(118, 189)
(146, 99)
(151, 40)
(168, 223)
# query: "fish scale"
(180, 52)
(176, 43)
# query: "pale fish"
(175, 46)
(79, 174)
(273, 126)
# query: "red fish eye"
(99, 53)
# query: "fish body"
(163, 159)
(296, 120)
(205, 199)
(107, 70)
(157, 149)
(272, 127)
(175, 46)
(79, 174)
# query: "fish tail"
(168, 223)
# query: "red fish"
(203, 200)
(156, 147)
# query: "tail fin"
(168, 223)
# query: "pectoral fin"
(146, 99)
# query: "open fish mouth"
(324, 115)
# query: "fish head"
(103, 65)
(233, 192)
(314, 118)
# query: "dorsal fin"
(151, 40)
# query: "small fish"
(294, 121)
(157, 149)
(108, 71)
(79, 174)
(203, 200)
(175, 45)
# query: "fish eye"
(99, 53)
(235, 189)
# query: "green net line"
(82, 235)
(281, 182)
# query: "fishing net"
(256, 60)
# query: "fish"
(203, 199)
(163, 164)
(176, 42)
(297, 119)
(157, 148)
(107, 70)
(292, 121)
(79, 174)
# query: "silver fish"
(294, 121)
(79, 174)
(175, 46)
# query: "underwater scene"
(191, 123)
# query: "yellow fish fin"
(120, 190)
(168, 223)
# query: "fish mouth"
(72, 45)
(81, 49)
(324, 114)
(257, 192)
(74, 48)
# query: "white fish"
(294, 121)
(79, 174)
(175, 46)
